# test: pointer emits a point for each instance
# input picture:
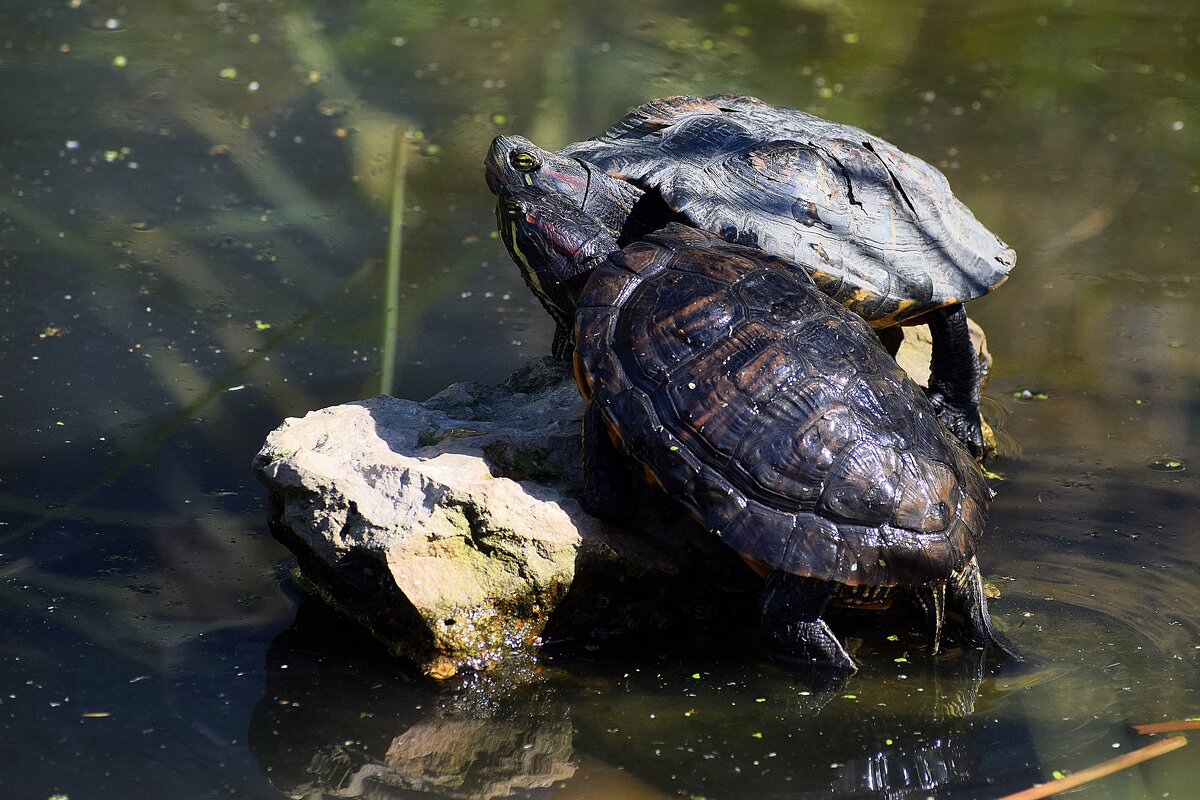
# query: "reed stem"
(1100, 770)
(391, 292)
(1169, 727)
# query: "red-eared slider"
(876, 228)
(768, 410)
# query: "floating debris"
(1167, 464)
(1027, 393)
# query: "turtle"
(877, 229)
(769, 411)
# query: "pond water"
(194, 214)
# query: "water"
(193, 222)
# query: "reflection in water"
(336, 718)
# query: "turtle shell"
(774, 414)
(878, 230)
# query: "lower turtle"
(767, 410)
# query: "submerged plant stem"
(1099, 771)
(391, 294)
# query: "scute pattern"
(878, 229)
(774, 414)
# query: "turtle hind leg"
(955, 375)
(932, 602)
(965, 593)
(791, 620)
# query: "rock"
(451, 528)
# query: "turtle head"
(516, 161)
(555, 244)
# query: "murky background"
(194, 205)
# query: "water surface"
(194, 202)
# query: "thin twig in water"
(1099, 771)
(391, 294)
(1169, 727)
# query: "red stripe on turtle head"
(571, 184)
(559, 233)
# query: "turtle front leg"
(563, 346)
(965, 593)
(791, 620)
(954, 376)
(609, 490)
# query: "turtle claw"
(955, 372)
(810, 645)
(961, 420)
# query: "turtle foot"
(791, 620)
(965, 592)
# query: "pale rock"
(452, 531)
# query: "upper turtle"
(878, 229)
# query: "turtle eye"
(511, 209)
(524, 160)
